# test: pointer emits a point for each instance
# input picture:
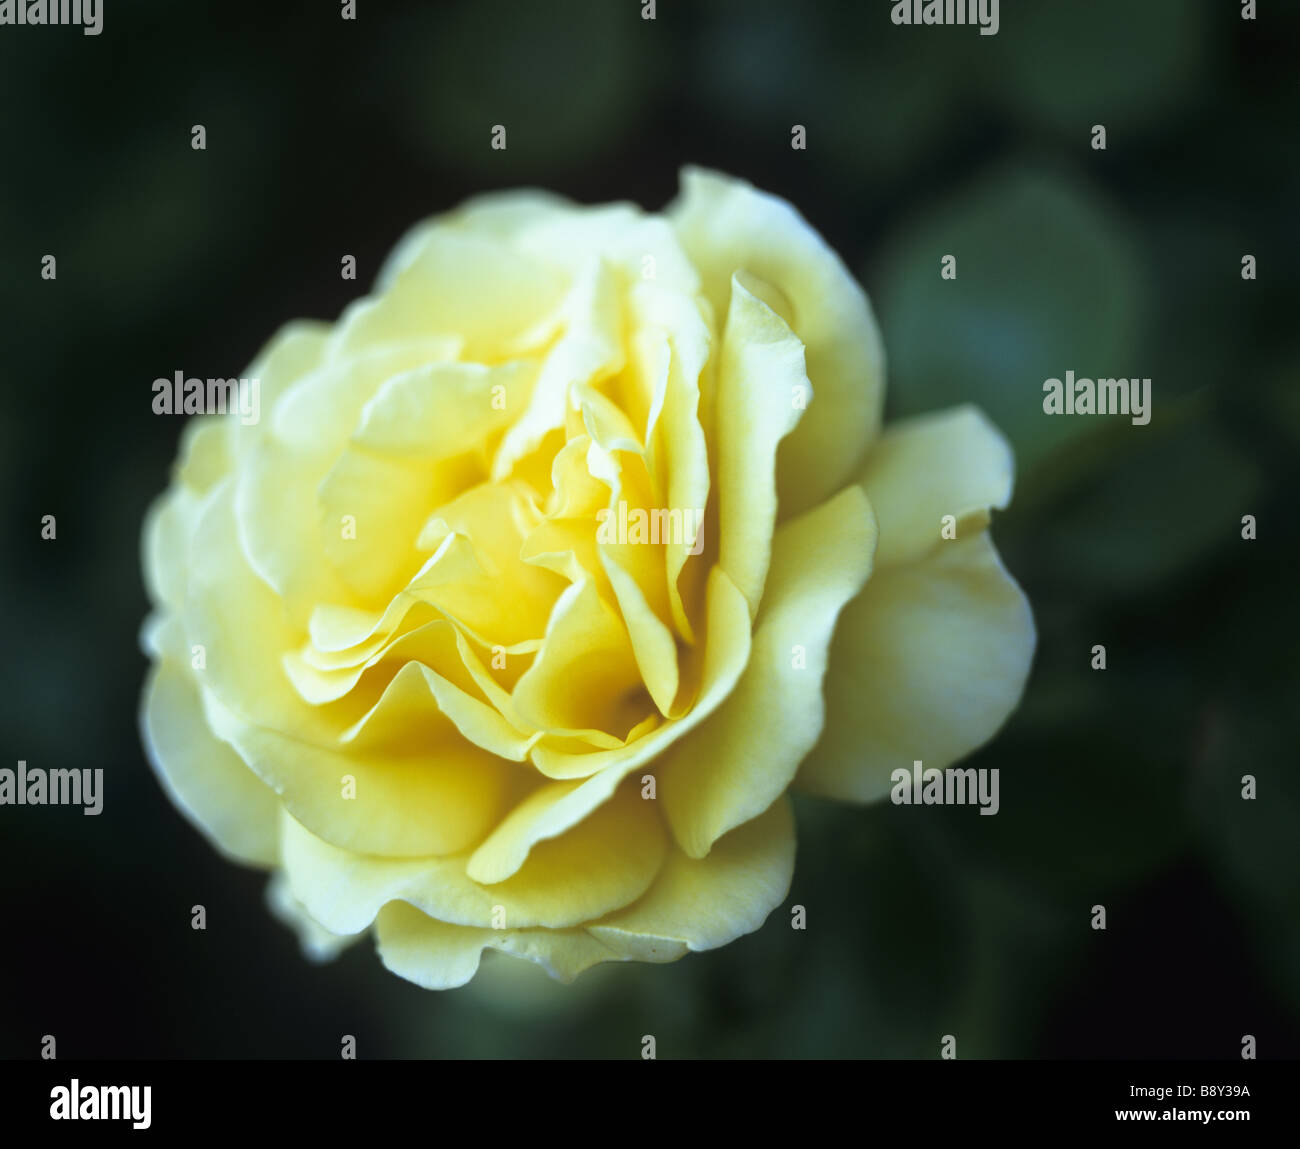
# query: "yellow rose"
(415, 653)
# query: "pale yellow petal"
(565, 235)
(206, 779)
(240, 623)
(371, 510)
(503, 599)
(437, 802)
(443, 801)
(318, 944)
(726, 226)
(745, 756)
(546, 813)
(279, 527)
(726, 652)
(205, 455)
(927, 663)
(436, 955)
(653, 644)
(444, 281)
(708, 902)
(295, 351)
(440, 410)
(607, 861)
(165, 544)
(504, 215)
(163, 636)
(678, 430)
(919, 471)
(343, 637)
(759, 378)
(430, 953)
(319, 412)
(585, 781)
(589, 349)
(585, 674)
(419, 705)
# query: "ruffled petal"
(927, 663)
(206, 779)
(443, 800)
(707, 902)
(759, 381)
(744, 757)
(557, 886)
(726, 225)
(436, 955)
(920, 470)
(443, 281)
(720, 664)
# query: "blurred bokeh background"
(1119, 787)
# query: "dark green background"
(1120, 787)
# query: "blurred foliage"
(1118, 787)
(1044, 272)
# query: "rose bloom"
(415, 652)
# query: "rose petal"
(371, 512)
(442, 801)
(726, 226)
(590, 349)
(317, 943)
(436, 955)
(296, 350)
(442, 281)
(718, 666)
(761, 370)
(557, 887)
(926, 664)
(420, 705)
(551, 810)
(585, 674)
(204, 777)
(708, 902)
(950, 463)
(678, 430)
(744, 757)
(441, 410)
(653, 644)
(165, 543)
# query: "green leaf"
(1048, 280)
